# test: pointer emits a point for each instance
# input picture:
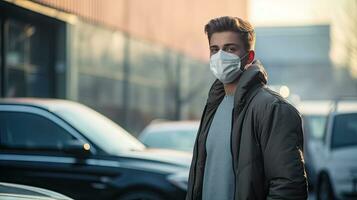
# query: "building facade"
(105, 55)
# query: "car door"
(32, 152)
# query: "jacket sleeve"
(282, 146)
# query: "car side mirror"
(77, 148)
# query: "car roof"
(171, 125)
(44, 103)
(324, 107)
(314, 107)
(28, 192)
(345, 107)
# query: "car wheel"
(324, 189)
(141, 195)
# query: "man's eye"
(231, 49)
(213, 51)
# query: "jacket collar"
(254, 76)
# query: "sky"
(289, 12)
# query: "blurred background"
(135, 60)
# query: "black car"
(71, 149)
(9, 191)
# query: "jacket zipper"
(240, 106)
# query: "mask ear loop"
(241, 66)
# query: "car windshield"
(315, 125)
(182, 140)
(100, 130)
(344, 131)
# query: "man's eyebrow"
(211, 46)
(225, 45)
(229, 44)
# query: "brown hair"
(235, 24)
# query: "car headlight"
(179, 179)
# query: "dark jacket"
(266, 142)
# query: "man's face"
(227, 41)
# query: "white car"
(314, 114)
(176, 135)
(334, 154)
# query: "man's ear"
(251, 56)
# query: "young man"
(249, 144)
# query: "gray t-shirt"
(218, 180)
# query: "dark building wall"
(32, 53)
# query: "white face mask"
(226, 66)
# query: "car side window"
(31, 131)
(344, 132)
